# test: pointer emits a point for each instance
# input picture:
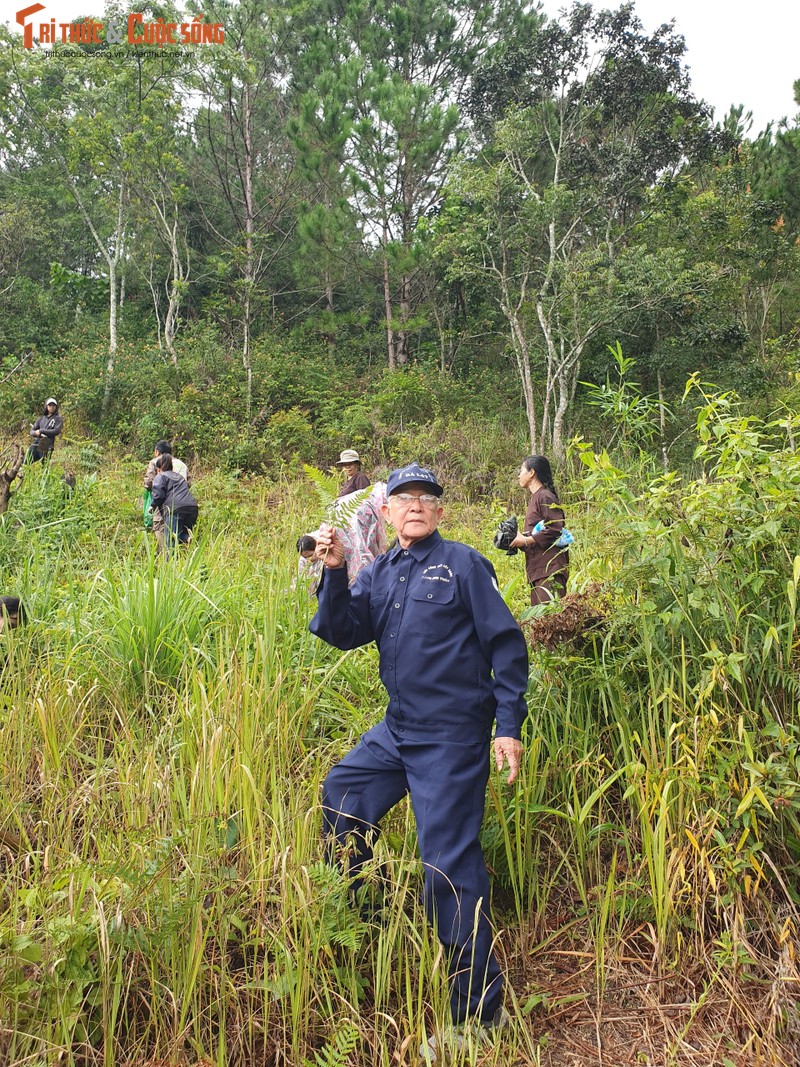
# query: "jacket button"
(397, 605)
(430, 596)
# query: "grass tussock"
(166, 726)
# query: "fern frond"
(337, 511)
(342, 511)
(350, 938)
(338, 1051)
(327, 486)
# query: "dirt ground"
(635, 1010)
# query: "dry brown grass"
(691, 1013)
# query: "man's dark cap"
(404, 476)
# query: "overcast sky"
(738, 52)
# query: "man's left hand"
(508, 750)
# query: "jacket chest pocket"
(430, 609)
(378, 608)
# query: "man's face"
(350, 469)
(413, 520)
(50, 409)
(9, 619)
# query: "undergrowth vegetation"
(166, 725)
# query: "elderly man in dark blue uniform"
(453, 661)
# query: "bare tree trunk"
(327, 278)
(662, 420)
(113, 260)
(403, 340)
(407, 231)
(248, 367)
(112, 333)
(522, 353)
(249, 246)
(171, 322)
(387, 301)
(156, 304)
(175, 291)
(122, 259)
(551, 362)
(559, 418)
(441, 329)
(511, 307)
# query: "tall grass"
(166, 725)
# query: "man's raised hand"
(329, 547)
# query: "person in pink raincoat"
(361, 528)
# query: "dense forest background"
(382, 226)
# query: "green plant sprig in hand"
(337, 512)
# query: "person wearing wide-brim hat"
(350, 462)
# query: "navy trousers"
(447, 782)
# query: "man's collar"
(420, 550)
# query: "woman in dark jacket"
(172, 497)
(547, 567)
(44, 431)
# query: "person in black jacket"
(44, 432)
(171, 495)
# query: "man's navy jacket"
(452, 656)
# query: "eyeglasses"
(405, 500)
